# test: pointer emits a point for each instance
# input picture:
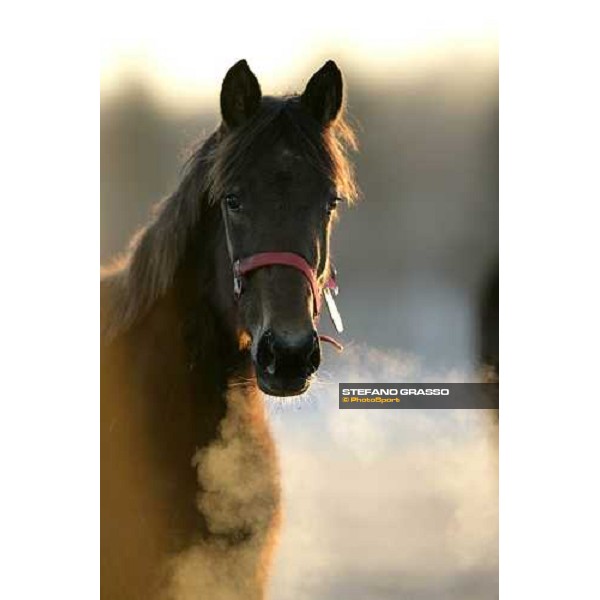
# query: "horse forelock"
(283, 118)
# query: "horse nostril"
(314, 358)
(314, 361)
(265, 353)
(288, 357)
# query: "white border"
(49, 423)
(549, 301)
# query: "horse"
(216, 303)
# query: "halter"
(290, 259)
(267, 259)
(241, 267)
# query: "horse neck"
(186, 337)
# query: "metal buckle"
(237, 280)
(332, 283)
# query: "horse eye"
(332, 203)
(233, 202)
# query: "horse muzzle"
(285, 363)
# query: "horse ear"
(240, 94)
(324, 93)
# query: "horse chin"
(277, 386)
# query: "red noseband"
(267, 259)
(290, 259)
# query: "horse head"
(279, 174)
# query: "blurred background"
(376, 505)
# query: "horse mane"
(132, 283)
